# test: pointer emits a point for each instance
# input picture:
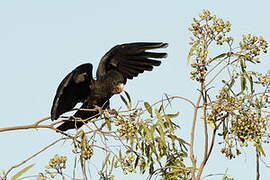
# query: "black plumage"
(122, 62)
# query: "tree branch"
(205, 155)
(192, 136)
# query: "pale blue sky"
(41, 41)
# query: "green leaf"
(148, 108)
(143, 166)
(235, 54)
(243, 83)
(217, 57)
(112, 165)
(108, 123)
(227, 178)
(260, 150)
(160, 128)
(105, 161)
(243, 65)
(162, 134)
(225, 131)
(211, 124)
(21, 172)
(75, 165)
(136, 161)
(151, 132)
(172, 115)
(158, 115)
(192, 49)
(250, 82)
(258, 103)
(148, 134)
(151, 169)
(142, 147)
(147, 150)
(120, 154)
(231, 84)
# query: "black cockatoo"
(122, 62)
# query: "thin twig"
(257, 165)
(175, 97)
(213, 140)
(31, 126)
(214, 67)
(31, 157)
(219, 72)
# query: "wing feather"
(131, 59)
(74, 88)
(140, 66)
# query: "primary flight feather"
(122, 62)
